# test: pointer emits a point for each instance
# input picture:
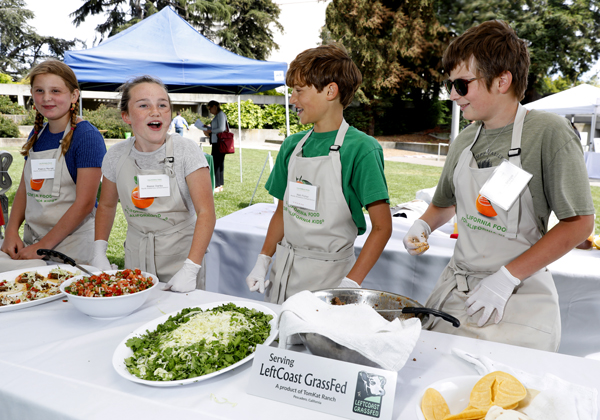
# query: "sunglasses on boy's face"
(460, 85)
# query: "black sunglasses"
(460, 85)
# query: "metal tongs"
(66, 259)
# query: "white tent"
(580, 100)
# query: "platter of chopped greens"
(195, 344)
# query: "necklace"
(487, 152)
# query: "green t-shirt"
(550, 151)
(363, 180)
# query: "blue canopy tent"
(166, 46)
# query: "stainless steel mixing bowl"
(405, 308)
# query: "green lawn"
(403, 179)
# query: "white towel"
(557, 400)
(357, 327)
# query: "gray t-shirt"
(550, 151)
(217, 125)
(188, 158)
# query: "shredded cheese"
(207, 326)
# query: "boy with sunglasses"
(503, 248)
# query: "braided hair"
(64, 72)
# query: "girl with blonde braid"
(56, 197)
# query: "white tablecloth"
(55, 363)
(592, 163)
(238, 239)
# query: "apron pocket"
(176, 244)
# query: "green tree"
(249, 31)
(563, 36)
(20, 46)
(396, 44)
(240, 26)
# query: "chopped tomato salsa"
(123, 282)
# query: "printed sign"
(317, 383)
(154, 185)
(43, 168)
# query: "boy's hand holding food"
(415, 240)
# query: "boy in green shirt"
(323, 178)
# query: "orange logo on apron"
(36, 184)
(485, 207)
(140, 203)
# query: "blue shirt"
(86, 151)
(179, 122)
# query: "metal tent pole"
(240, 132)
(591, 145)
(287, 111)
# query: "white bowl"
(110, 307)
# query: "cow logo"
(370, 390)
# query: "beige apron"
(532, 316)
(317, 250)
(48, 204)
(159, 230)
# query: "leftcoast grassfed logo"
(370, 390)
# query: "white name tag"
(505, 185)
(154, 186)
(317, 383)
(303, 195)
(43, 168)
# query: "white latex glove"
(99, 259)
(415, 240)
(347, 283)
(492, 293)
(256, 279)
(185, 279)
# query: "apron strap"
(334, 151)
(514, 157)
(124, 156)
(169, 157)
(57, 156)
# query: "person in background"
(56, 196)
(178, 122)
(341, 168)
(217, 125)
(497, 283)
(164, 187)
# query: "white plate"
(456, 391)
(122, 352)
(43, 270)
